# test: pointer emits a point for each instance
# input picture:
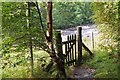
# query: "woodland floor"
(83, 71)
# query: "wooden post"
(79, 29)
(75, 51)
(60, 64)
(92, 40)
(59, 45)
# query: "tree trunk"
(30, 37)
(57, 60)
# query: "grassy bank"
(105, 63)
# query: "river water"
(86, 31)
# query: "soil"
(83, 71)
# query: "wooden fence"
(72, 48)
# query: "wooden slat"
(67, 42)
(72, 51)
(66, 52)
(87, 49)
(70, 62)
(68, 48)
(75, 51)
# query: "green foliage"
(17, 72)
(20, 67)
(105, 60)
(14, 66)
(108, 22)
(15, 30)
(67, 14)
(105, 64)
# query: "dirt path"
(82, 72)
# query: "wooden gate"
(71, 50)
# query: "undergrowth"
(105, 63)
(14, 67)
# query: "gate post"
(92, 41)
(59, 45)
(79, 34)
(60, 55)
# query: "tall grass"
(105, 63)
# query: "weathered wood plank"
(66, 52)
(86, 48)
(92, 40)
(75, 51)
(67, 42)
(68, 48)
(59, 45)
(72, 51)
(79, 29)
(70, 62)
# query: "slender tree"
(49, 38)
(57, 60)
(30, 36)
